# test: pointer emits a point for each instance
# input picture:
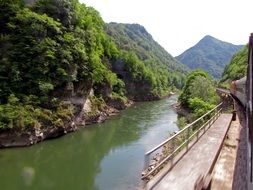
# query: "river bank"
(181, 111)
(31, 136)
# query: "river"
(107, 156)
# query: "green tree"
(28, 66)
(199, 107)
(199, 93)
(186, 92)
(62, 11)
(203, 88)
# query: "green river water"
(107, 156)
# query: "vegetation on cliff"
(237, 68)
(50, 51)
(55, 54)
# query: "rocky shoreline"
(181, 111)
(28, 137)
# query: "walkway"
(224, 170)
(197, 161)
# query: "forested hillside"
(237, 68)
(210, 54)
(134, 37)
(59, 67)
(134, 40)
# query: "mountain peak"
(208, 39)
(134, 27)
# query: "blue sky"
(179, 24)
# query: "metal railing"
(167, 153)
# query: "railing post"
(198, 131)
(187, 137)
(215, 114)
(172, 149)
(146, 162)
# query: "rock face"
(140, 92)
(29, 137)
(209, 54)
(29, 2)
(136, 91)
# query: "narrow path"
(198, 160)
(223, 174)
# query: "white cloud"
(179, 24)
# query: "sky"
(179, 24)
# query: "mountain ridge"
(210, 54)
(135, 37)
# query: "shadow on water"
(101, 156)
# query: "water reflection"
(102, 156)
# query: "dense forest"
(59, 66)
(209, 54)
